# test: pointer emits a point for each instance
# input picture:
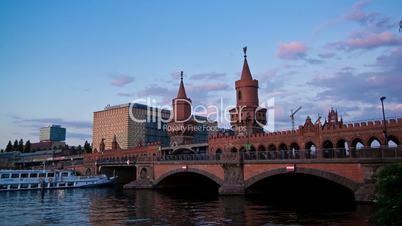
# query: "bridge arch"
(393, 141)
(374, 142)
(261, 148)
(183, 151)
(357, 143)
(204, 173)
(345, 182)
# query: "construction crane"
(292, 116)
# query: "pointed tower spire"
(245, 73)
(182, 92)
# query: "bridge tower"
(247, 117)
(181, 128)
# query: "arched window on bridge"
(311, 150)
(233, 150)
(374, 142)
(262, 152)
(294, 146)
(328, 149)
(272, 151)
(342, 148)
(283, 151)
(393, 142)
(357, 143)
(218, 153)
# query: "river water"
(114, 206)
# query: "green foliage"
(20, 145)
(15, 146)
(389, 189)
(9, 146)
(87, 147)
(27, 147)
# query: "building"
(47, 145)
(147, 125)
(114, 122)
(52, 133)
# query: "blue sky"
(62, 60)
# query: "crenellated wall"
(363, 132)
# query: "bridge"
(239, 173)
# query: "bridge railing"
(318, 154)
(281, 155)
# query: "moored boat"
(49, 179)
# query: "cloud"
(209, 75)
(123, 94)
(356, 13)
(156, 90)
(81, 136)
(292, 50)
(372, 21)
(313, 61)
(208, 87)
(391, 60)
(121, 80)
(39, 122)
(367, 41)
(327, 55)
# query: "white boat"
(48, 179)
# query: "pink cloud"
(357, 12)
(121, 80)
(368, 41)
(209, 87)
(292, 50)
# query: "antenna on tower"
(292, 116)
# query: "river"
(114, 206)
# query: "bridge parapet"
(319, 155)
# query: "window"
(62, 184)
(15, 175)
(42, 175)
(3, 187)
(239, 95)
(5, 175)
(33, 175)
(65, 174)
(24, 186)
(24, 175)
(50, 174)
(14, 186)
(34, 185)
(70, 184)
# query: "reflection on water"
(145, 207)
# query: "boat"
(49, 179)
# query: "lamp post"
(384, 122)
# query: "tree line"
(26, 148)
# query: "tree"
(389, 189)
(2, 150)
(15, 146)
(9, 146)
(20, 146)
(79, 149)
(87, 147)
(27, 147)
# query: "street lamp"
(385, 122)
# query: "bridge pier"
(233, 183)
(144, 178)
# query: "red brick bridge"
(236, 173)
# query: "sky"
(62, 60)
